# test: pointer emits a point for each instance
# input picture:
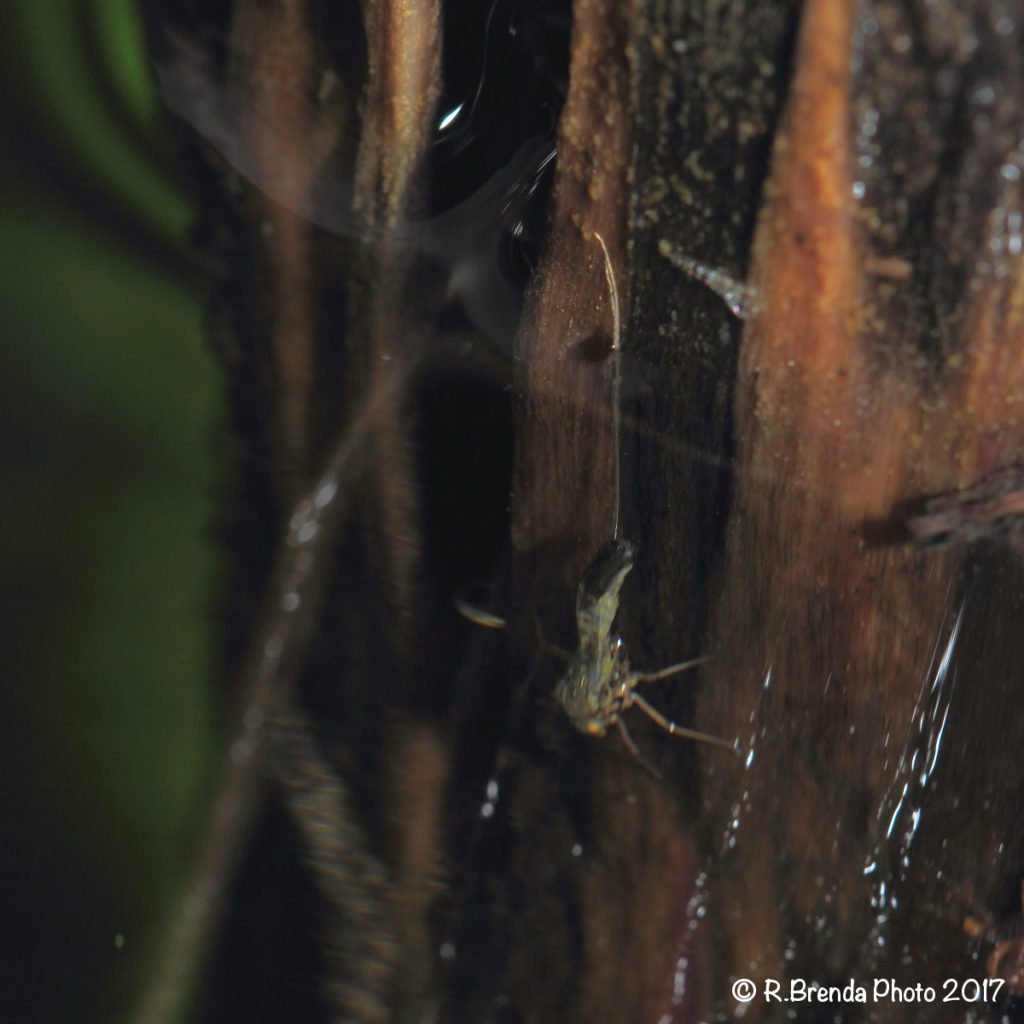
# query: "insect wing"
(597, 601)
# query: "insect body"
(599, 686)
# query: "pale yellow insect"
(599, 686)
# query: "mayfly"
(599, 686)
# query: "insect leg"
(476, 613)
(545, 645)
(671, 727)
(664, 673)
(635, 750)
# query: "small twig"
(266, 683)
(992, 507)
(361, 941)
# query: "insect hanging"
(599, 686)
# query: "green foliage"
(107, 458)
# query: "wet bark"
(861, 388)
(854, 171)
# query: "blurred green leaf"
(107, 460)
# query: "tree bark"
(847, 176)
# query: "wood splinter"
(992, 508)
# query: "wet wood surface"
(854, 172)
(847, 407)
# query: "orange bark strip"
(567, 439)
(822, 642)
(844, 633)
(805, 380)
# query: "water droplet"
(449, 119)
(300, 515)
(325, 494)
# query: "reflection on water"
(901, 810)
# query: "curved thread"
(613, 295)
